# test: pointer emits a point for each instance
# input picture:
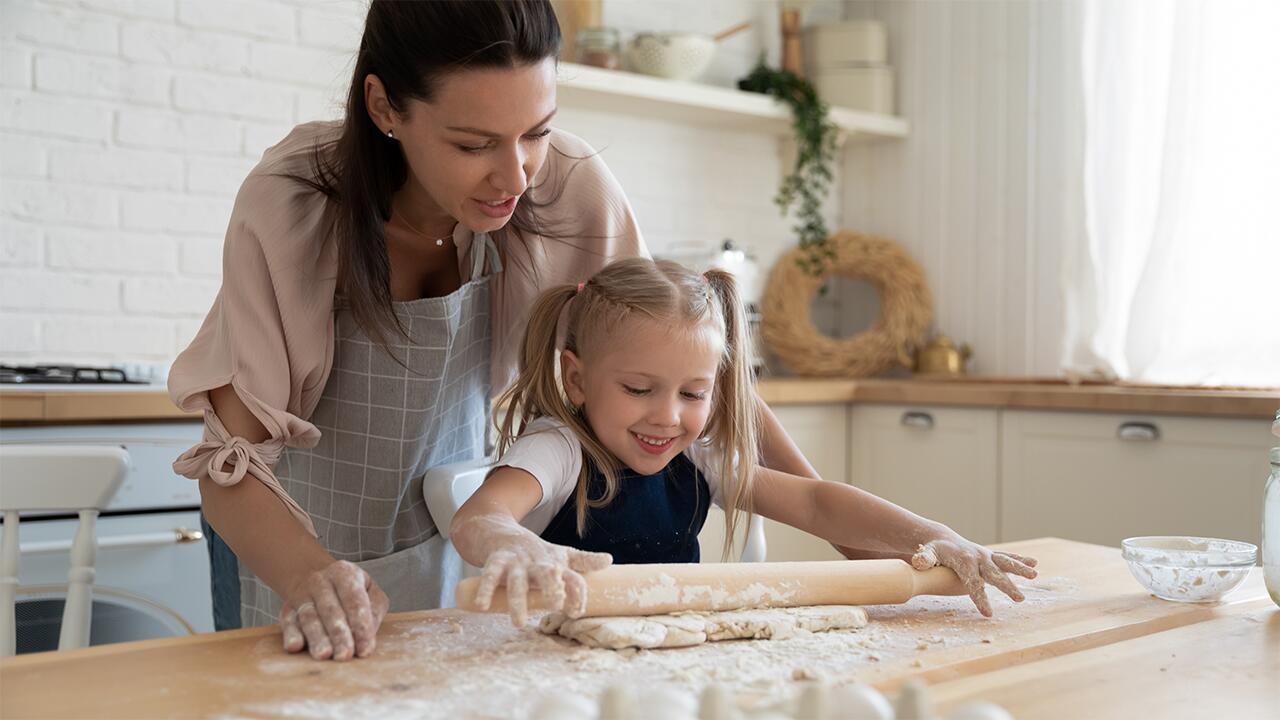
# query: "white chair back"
(71, 478)
(447, 487)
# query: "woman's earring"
(391, 135)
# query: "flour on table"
(455, 665)
(695, 628)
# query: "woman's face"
(475, 149)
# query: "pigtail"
(535, 392)
(733, 424)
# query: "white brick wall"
(126, 127)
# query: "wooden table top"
(1088, 642)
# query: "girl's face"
(475, 148)
(646, 393)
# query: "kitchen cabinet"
(820, 431)
(1102, 477)
(938, 462)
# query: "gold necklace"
(438, 241)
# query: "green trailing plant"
(805, 187)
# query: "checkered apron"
(384, 421)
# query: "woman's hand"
(519, 559)
(976, 566)
(334, 612)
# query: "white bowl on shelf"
(671, 55)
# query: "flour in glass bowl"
(478, 666)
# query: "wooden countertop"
(74, 404)
(1088, 642)
(1026, 393)
(63, 404)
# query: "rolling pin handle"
(937, 581)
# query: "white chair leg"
(9, 584)
(76, 614)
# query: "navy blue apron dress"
(653, 518)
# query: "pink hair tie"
(581, 285)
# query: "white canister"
(869, 89)
(856, 42)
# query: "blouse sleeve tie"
(220, 450)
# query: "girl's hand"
(976, 566)
(335, 612)
(517, 558)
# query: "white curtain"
(1179, 281)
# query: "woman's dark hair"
(409, 45)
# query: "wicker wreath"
(906, 308)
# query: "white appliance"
(152, 564)
(741, 263)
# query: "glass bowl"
(1188, 569)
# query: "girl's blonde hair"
(661, 291)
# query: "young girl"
(652, 421)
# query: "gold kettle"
(939, 356)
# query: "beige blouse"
(270, 332)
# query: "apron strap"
(482, 247)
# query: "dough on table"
(695, 628)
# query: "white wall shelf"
(590, 88)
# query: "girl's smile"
(654, 445)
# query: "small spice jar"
(600, 47)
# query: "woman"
(372, 272)
(374, 277)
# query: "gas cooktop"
(64, 375)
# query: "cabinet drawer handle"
(916, 419)
(1143, 431)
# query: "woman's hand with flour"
(334, 612)
(517, 559)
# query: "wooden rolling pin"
(659, 589)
